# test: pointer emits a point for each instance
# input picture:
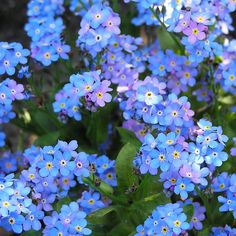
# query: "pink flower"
(195, 32)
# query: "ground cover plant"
(125, 124)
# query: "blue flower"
(78, 226)
(173, 115)
(178, 223)
(90, 201)
(13, 222)
(183, 186)
(216, 156)
(166, 140)
(66, 166)
(148, 94)
(221, 183)
(48, 166)
(229, 203)
(82, 165)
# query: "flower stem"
(171, 35)
(103, 188)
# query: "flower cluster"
(146, 101)
(12, 57)
(45, 29)
(9, 92)
(27, 201)
(220, 231)
(193, 22)
(98, 27)
(225, 185)
(183, 164)
(103, 168)
(11, 162)
(165, 220)
(180, 71)
(226, 72)
(122, 61)
(87, 89)
(70, 221)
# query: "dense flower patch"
(143, 95)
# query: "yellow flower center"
(78, 228)
(11, 221)
(49, 165)
(222, 186)
(161, 67)
(109, 176)
(62, 105)
(149, 94)
(186, 74)
(177, 223)
(99, 95)
(169, 141)
(182, 186)
(175, 155)
(173, 180)
(91, 201)
(6, 204)
(195, 31)
(88, 87)
(31, 176)
(47, 55)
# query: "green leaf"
(188, 210)
(149, 186)
(97, 217)
(121, 229)
(60, 203)
(46, 121)
(97, 124)
(47, 139)
(129, 136)
(203, 232)
(124, 167)
(32, 233)
(148, 204)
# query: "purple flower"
(100, 95)
(183, 23)
(198, 216)
(195, 32)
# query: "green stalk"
(206, 204)
(103, 188)
(171, 35)
(83, 5)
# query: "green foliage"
(124, 165)
(204, 232)
(188, 210)
(128, 136)
(32, 233)
(126, 218)
(63, 201)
